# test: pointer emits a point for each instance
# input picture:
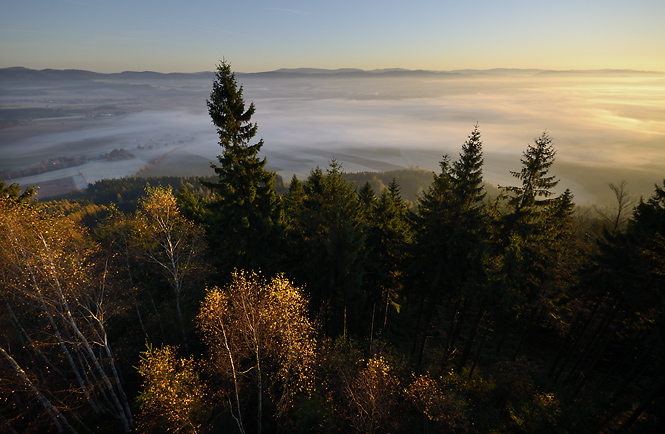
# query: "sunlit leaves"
(173, 397)
(259, 337)
(173, 244)
(445, 410)
(55, 290)
(373, 396)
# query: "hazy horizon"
(265, 35)
(310, 70)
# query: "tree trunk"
(458, 327)
(125, 417)
(159, 318)
(471, 338)
(385, 312)
(556, 372)
(44, 306)
(527, 327)
(58, 418)
(238, 418)
(452, 327)
(371, 330)
(586, 351)
(259, 412)
(655, 391)
(417, 331)
(181, 320)
(428, 320)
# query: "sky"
(255, 36)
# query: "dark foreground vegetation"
(231, 304)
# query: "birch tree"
(54, 291)
(173, 397)
(172, 243)
(260, 342)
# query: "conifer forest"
(241, 303)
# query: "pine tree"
(244, 226)
(366, 199)
(292, 202)
(467, 174)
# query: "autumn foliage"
(476, 309)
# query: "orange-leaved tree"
(173, 396)
(55, 304)
(175, 245)
(261, 343)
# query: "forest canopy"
(377, 302)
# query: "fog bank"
(606, 126)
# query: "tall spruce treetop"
(529, 231)
(328, 230)
(467, 174)
(226, 107)
(244, 224)
(451, 219)
(537, 185)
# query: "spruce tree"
(244, 226)
(532, 221)
(328, 233)
(527, 203)
(389, 237)
(366, 197)
(449, 247)
(451, 217)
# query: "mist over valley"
(606, 125)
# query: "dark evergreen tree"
(530, 223)
(450, 243)
(451, 216)
(366, 198)
(532, 227)
(327, 234)
(389, 237)
(467, 176)
(616, 347)
(193, 206)
(527, 203)
(244, 227)
(292, 202)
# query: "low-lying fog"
(606, 126)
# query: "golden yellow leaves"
(259, 336)
(172, 390)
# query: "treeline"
(47, 165)
(18, 115)
(51, 164)
(412, 182)
(226, 305)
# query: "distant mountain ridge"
(25, 74)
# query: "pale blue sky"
(256, 35)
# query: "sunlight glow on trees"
(259, 341)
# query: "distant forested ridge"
(396, 302)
